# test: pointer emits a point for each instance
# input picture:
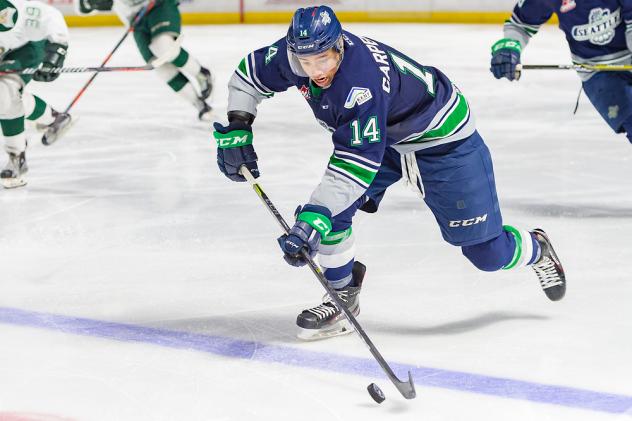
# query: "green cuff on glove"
(233, 139)
(318, 221)
(507, 44)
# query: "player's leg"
(336, 256)
(37, 110)
(611, 95)
(460, 190)
(12, 129)
(46, 119)
(156, 37)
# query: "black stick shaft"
(32, 70)
(407, 389)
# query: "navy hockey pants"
(611, 94)
(459, 186)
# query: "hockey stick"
(407, 389)
(141, 13)
(32, 70)
(577, 67)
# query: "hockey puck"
(376, 393)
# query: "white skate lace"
(548, 275)
(328, 308)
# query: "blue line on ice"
(235, 348)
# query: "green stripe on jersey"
(243, 70)
(363, 174)
(454, 120)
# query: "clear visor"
(319, 64)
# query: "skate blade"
(341, 328)
(12, 183)
(50, 138)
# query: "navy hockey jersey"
(378, 98)
(595, 29)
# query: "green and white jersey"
(24, 21)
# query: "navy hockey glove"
(505, 58)
(312, 223)
(234, 149)
(54, 56)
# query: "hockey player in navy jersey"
(597, 31)
(389, 118)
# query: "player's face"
(321, 68)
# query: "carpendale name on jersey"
(600, 29)
(380, 57)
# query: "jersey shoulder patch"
(358, 96)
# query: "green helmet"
(8, 15)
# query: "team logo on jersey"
(613, 112)
(8, 15)
(305, 92)
(601, 27)
(358, 96)
(325, 18)
(272, 51)
(567, 6)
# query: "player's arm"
(87, 7)
(359, 144)
(257, 77)
(626, 7)
(525, 21)
(55, 31)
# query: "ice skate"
(548, 268)
(326, 320)
(205, 80)
(55, 130)
(12, 175)
(205, 111)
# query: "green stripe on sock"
(38, 111)
(178, 82)
(12, 127)
(518, 250)
(182, 58)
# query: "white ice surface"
(128, 220)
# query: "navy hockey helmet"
(314, 30)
